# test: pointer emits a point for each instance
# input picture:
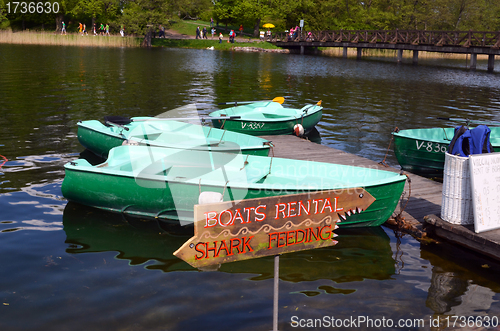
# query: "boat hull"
(100, 139)
(174, 198)
(422, 151)
(261, 119)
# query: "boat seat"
(152, 135)
(271, 115)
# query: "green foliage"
(3, 11)
(28, 14)
(103, 10)
(224, 12)
(478, 15)
(203, 44)
(191, 8)
(141, 15)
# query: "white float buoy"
(298, 130)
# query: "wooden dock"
(422, 206)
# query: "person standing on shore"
(213, 33)
(197, 32)
(101, 29)
(205, 32)
(107, 29)
(84, 31)
(122, 30)
(63, 29)
(95, 32)
(220, 37)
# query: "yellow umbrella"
(268, 25)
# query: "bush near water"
(139, 16)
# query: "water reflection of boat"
(362, 253)
(138, 240)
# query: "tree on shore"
(140, 16)
(136, 15)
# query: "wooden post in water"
(491, 62)
(360, 51)
(415, 57)
(400, 56)
(473, 61)
(344, 52)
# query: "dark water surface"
(68, 267)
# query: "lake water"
(69, 267)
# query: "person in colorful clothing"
(63, 29)
(107, 30)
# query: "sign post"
(239, 230)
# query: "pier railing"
(490, 39)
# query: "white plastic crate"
(456, 206)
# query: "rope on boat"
(399, 218)
(223, 133)
(388, 148)
(5, 161)
(271, 145)
(245, 163)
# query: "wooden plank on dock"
(487, 243)
(425, 195)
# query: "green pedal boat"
(268, 118)
(422, 151)
(166, 183)
(149, 131)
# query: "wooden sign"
(246, 229)
(485, 187)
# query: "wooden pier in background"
(419, 210)
(460, 42)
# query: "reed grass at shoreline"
(76, 39)
(389, 53)
(70, 39)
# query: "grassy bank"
(51, 38)
(202, 44)
(189, 28)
